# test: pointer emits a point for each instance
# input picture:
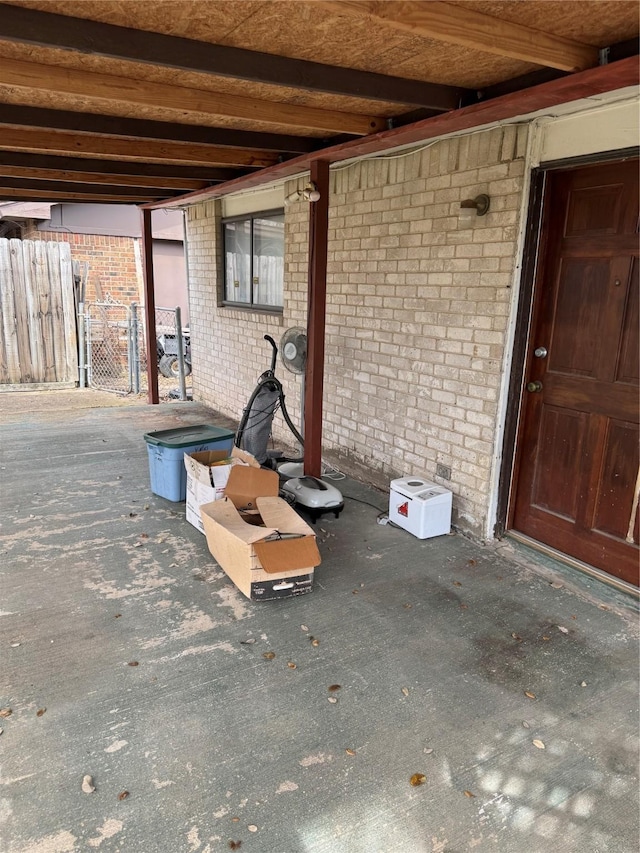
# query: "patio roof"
(143, 102)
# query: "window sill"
(242, 310)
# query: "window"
(254, 260)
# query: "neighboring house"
(435, 325)
(107, 238)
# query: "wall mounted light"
(472, 207)
(308, 193)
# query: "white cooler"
(421, 507)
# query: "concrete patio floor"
(512, 687)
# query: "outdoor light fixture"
(309, 193)
(472, 207)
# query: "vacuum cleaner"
(313, 495)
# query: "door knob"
(534, 387)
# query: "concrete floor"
(435, 644)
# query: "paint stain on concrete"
(35, 532)
(6, 810)
(58, 842)
(190, 623)
(310, 760)
(194, 622)
(208, 574)
(198, 650)
(153, 643)
(109, 828)
(16, 779)
(158, 785)
(287, 786)
(193, 838)
(222, 811)
(231, 598)
(145, 581)
(116, 745)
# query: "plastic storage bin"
(166, 450)
(421, 507)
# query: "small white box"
(421, 507)
(207, 476)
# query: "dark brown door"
(577, 463)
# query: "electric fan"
(293, 353)
(314, 494)
(293, 350)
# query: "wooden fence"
(38, 342)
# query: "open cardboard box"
(206, 483)
(260, 541)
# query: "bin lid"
(188, 436)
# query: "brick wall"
(112, 263)
(417, 311)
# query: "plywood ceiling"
(87, 107)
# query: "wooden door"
(576, 475)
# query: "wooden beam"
(61, 142)
(316, 311)
(517, 84)
(156, 171)
(32, 26)
(464, 26)
(149, 307)
(95, 178)
(85, 122)
(109, 87)
(573, 87)
(10, 194)
(30, 182)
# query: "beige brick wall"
(417, 312)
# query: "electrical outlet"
(443, 471)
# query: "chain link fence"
(114, 356)
(109, 360)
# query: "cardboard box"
(271, 553)
(206, 483)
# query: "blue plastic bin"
(166, 450)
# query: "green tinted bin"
(166, 450)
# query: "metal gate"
(115, 357)
(112, 347)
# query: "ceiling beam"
(32, 173)
(110, 87)
(28, 183)
(30, 26)
(570, 87)
(615, 52)
(147, 129)
(516, 84)
(62, 142)
(622, 49)
(156, 171)
(10, 194)
(463, 26)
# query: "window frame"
(250, 306)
